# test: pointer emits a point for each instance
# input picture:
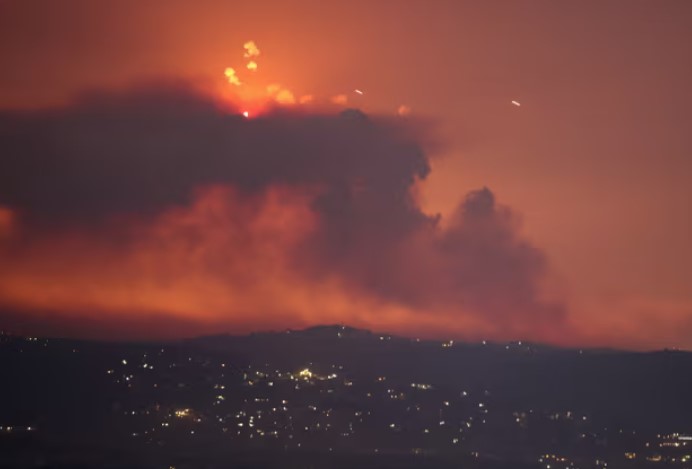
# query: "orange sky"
(596, 160)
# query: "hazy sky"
(597, 160)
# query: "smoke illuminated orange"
(220, 261)
(596, 166)
(6, 222)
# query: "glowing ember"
(251, 49)
(232, 77)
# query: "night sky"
(474, 170)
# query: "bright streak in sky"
(516, 103)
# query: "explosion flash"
(232, 77)
(251, 49)
(256, 96)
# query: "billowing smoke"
(290, 215)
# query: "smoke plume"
(158, 201)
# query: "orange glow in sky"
(251, 90)
(585, 137)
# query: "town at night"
(340, 397)
(345, 234)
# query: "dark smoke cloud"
(140, 151)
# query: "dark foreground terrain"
(339, 397)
